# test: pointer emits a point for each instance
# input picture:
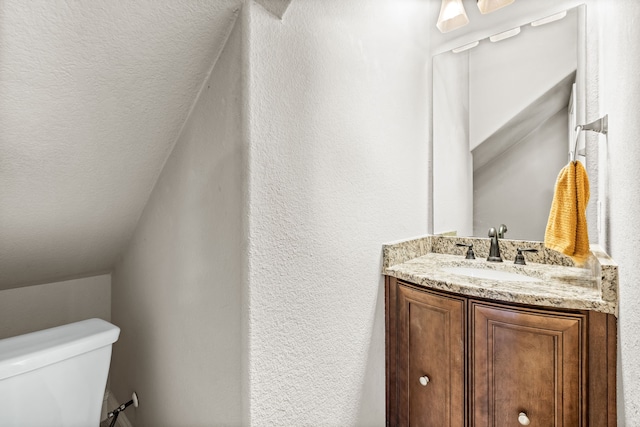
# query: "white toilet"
(56, 377)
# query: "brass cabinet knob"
(523, 419)
(424, 380)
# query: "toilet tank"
(57, 376)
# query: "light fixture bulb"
(505, 35)
(452, 16)
(488, 6)
(549, 19)
(466, 47)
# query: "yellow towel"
(567, 226)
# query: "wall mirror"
(504, 113)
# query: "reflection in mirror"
(503, 118)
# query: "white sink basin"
(483, 273)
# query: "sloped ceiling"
(93, 95)
(275, 7)
(523, 123)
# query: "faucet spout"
(494, 250)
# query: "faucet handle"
(470, 254)
(520, 256)
(502, 230)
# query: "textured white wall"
(32, 308)
(177, 288)
(338, 160)
(620, 96)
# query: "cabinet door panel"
(431, 337)
(530, 362)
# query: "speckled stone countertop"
(424, 261)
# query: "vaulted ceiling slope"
(93, 95)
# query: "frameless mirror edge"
(581, 91)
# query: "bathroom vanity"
(477, 343)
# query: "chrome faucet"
(501, 231)
(494, 250)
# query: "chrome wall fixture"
(600, 125)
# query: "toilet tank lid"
(24, 353)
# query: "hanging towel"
(567, 226)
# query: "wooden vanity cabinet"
(526, 362)
(489, 364)
(431, 363)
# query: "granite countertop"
(557, 282)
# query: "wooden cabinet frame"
(599, 335)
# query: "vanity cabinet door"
(527, 361)
(430, 355)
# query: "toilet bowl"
(56, 377)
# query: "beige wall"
(516, 187)
(177, 286)
(335, 118)
(32, 308)
(620, 95)
(319, 143)
(508, 76)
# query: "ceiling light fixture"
(548, 19)
(488, 6)
(452, 16)
(466, 47)
(505, 35)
